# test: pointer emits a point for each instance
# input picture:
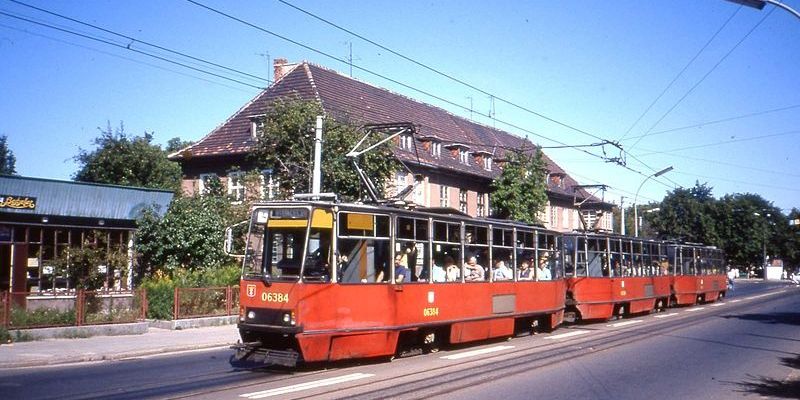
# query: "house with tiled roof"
(456, 157)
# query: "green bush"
(41, 317)
(161, 290)
(5, 337)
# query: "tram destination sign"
(8, 201)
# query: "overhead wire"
(136, 40)
(142, 52)
(720, 143)
(702, 79)
(680, 73)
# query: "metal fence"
(24, 310)
(205, 302)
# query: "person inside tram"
(502, 272)
(543, 270)
(525, 272)
(472, 270)
(438, 273)
(451, 270)
(401, 271)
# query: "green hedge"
(161, 287)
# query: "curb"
(110, 357)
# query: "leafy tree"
(127, 160)
(176, 144)
(519, 193)
(189, 236)
(686, 214)
(286, 145)
(8, 162)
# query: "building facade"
(456, 158)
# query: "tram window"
(446, 232)
(636, 250)
(363, 260)
(596, 257)
(476, 245)
(526, 253)
(363, 225)
(569, 256)
(414, 256)
(318, 262)
(547, 263)
(502, 264)
(615, 257)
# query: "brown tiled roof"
(349, 100)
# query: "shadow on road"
(765, 386)
(773, 318)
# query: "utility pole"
(622, 215)
(316, 182)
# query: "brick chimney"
(280, 67)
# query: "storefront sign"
(17, 202)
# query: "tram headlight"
(288, 319)
(251, 314)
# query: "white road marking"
(305, 386)
(717, 304)
(665, 315)
(631, 322)
(736, 300)
(568, 334)
(696, 309)
(476, 352)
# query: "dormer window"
(256, 125)
(459, 150)
(406, 142)
(487, 163)
(463, 156)
(436, 149)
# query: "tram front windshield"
(280, 238)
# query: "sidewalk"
(154, 341)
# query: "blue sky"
(594, 66)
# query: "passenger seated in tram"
(502, 272)
(473, 271)
(438, 273)
(543, 271)
(452, 272)
(525, 272)
(401, 271)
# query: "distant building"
(40, 218)
(457, 158)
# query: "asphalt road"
(749, 344)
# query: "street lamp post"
(759, 4)
(635, 198)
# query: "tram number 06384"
(275, 297)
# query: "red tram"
(324, 281)
(610, 275)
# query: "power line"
(132, 40)
(703, 78)
(438, 72)
(700, 146)
(728, 119)
(743, 182)
(685, 67)
(379, 75)
(110, 43)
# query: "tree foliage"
(126, 160)
(8, 162)
(286, 145)
(687, 215)
(519, 193)
(189, 236)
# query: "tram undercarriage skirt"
(250, 355)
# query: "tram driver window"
(363, 251)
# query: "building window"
(487, 163)
(269, 185)
(481, 204)
(444, 196)
(462, 200)
(205, 183)
(236, 186)
(553, 217)
(565, 218)
(406, 142)
(463, 156)
(436, 149)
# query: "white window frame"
(487, 163)
(444, 196)
(236, 186)
(269, 185)
(463, 200)
(463, 156)
(436, 149)
(201, 182)
(406, 142)
(481, 204)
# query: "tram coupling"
(254, 355)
